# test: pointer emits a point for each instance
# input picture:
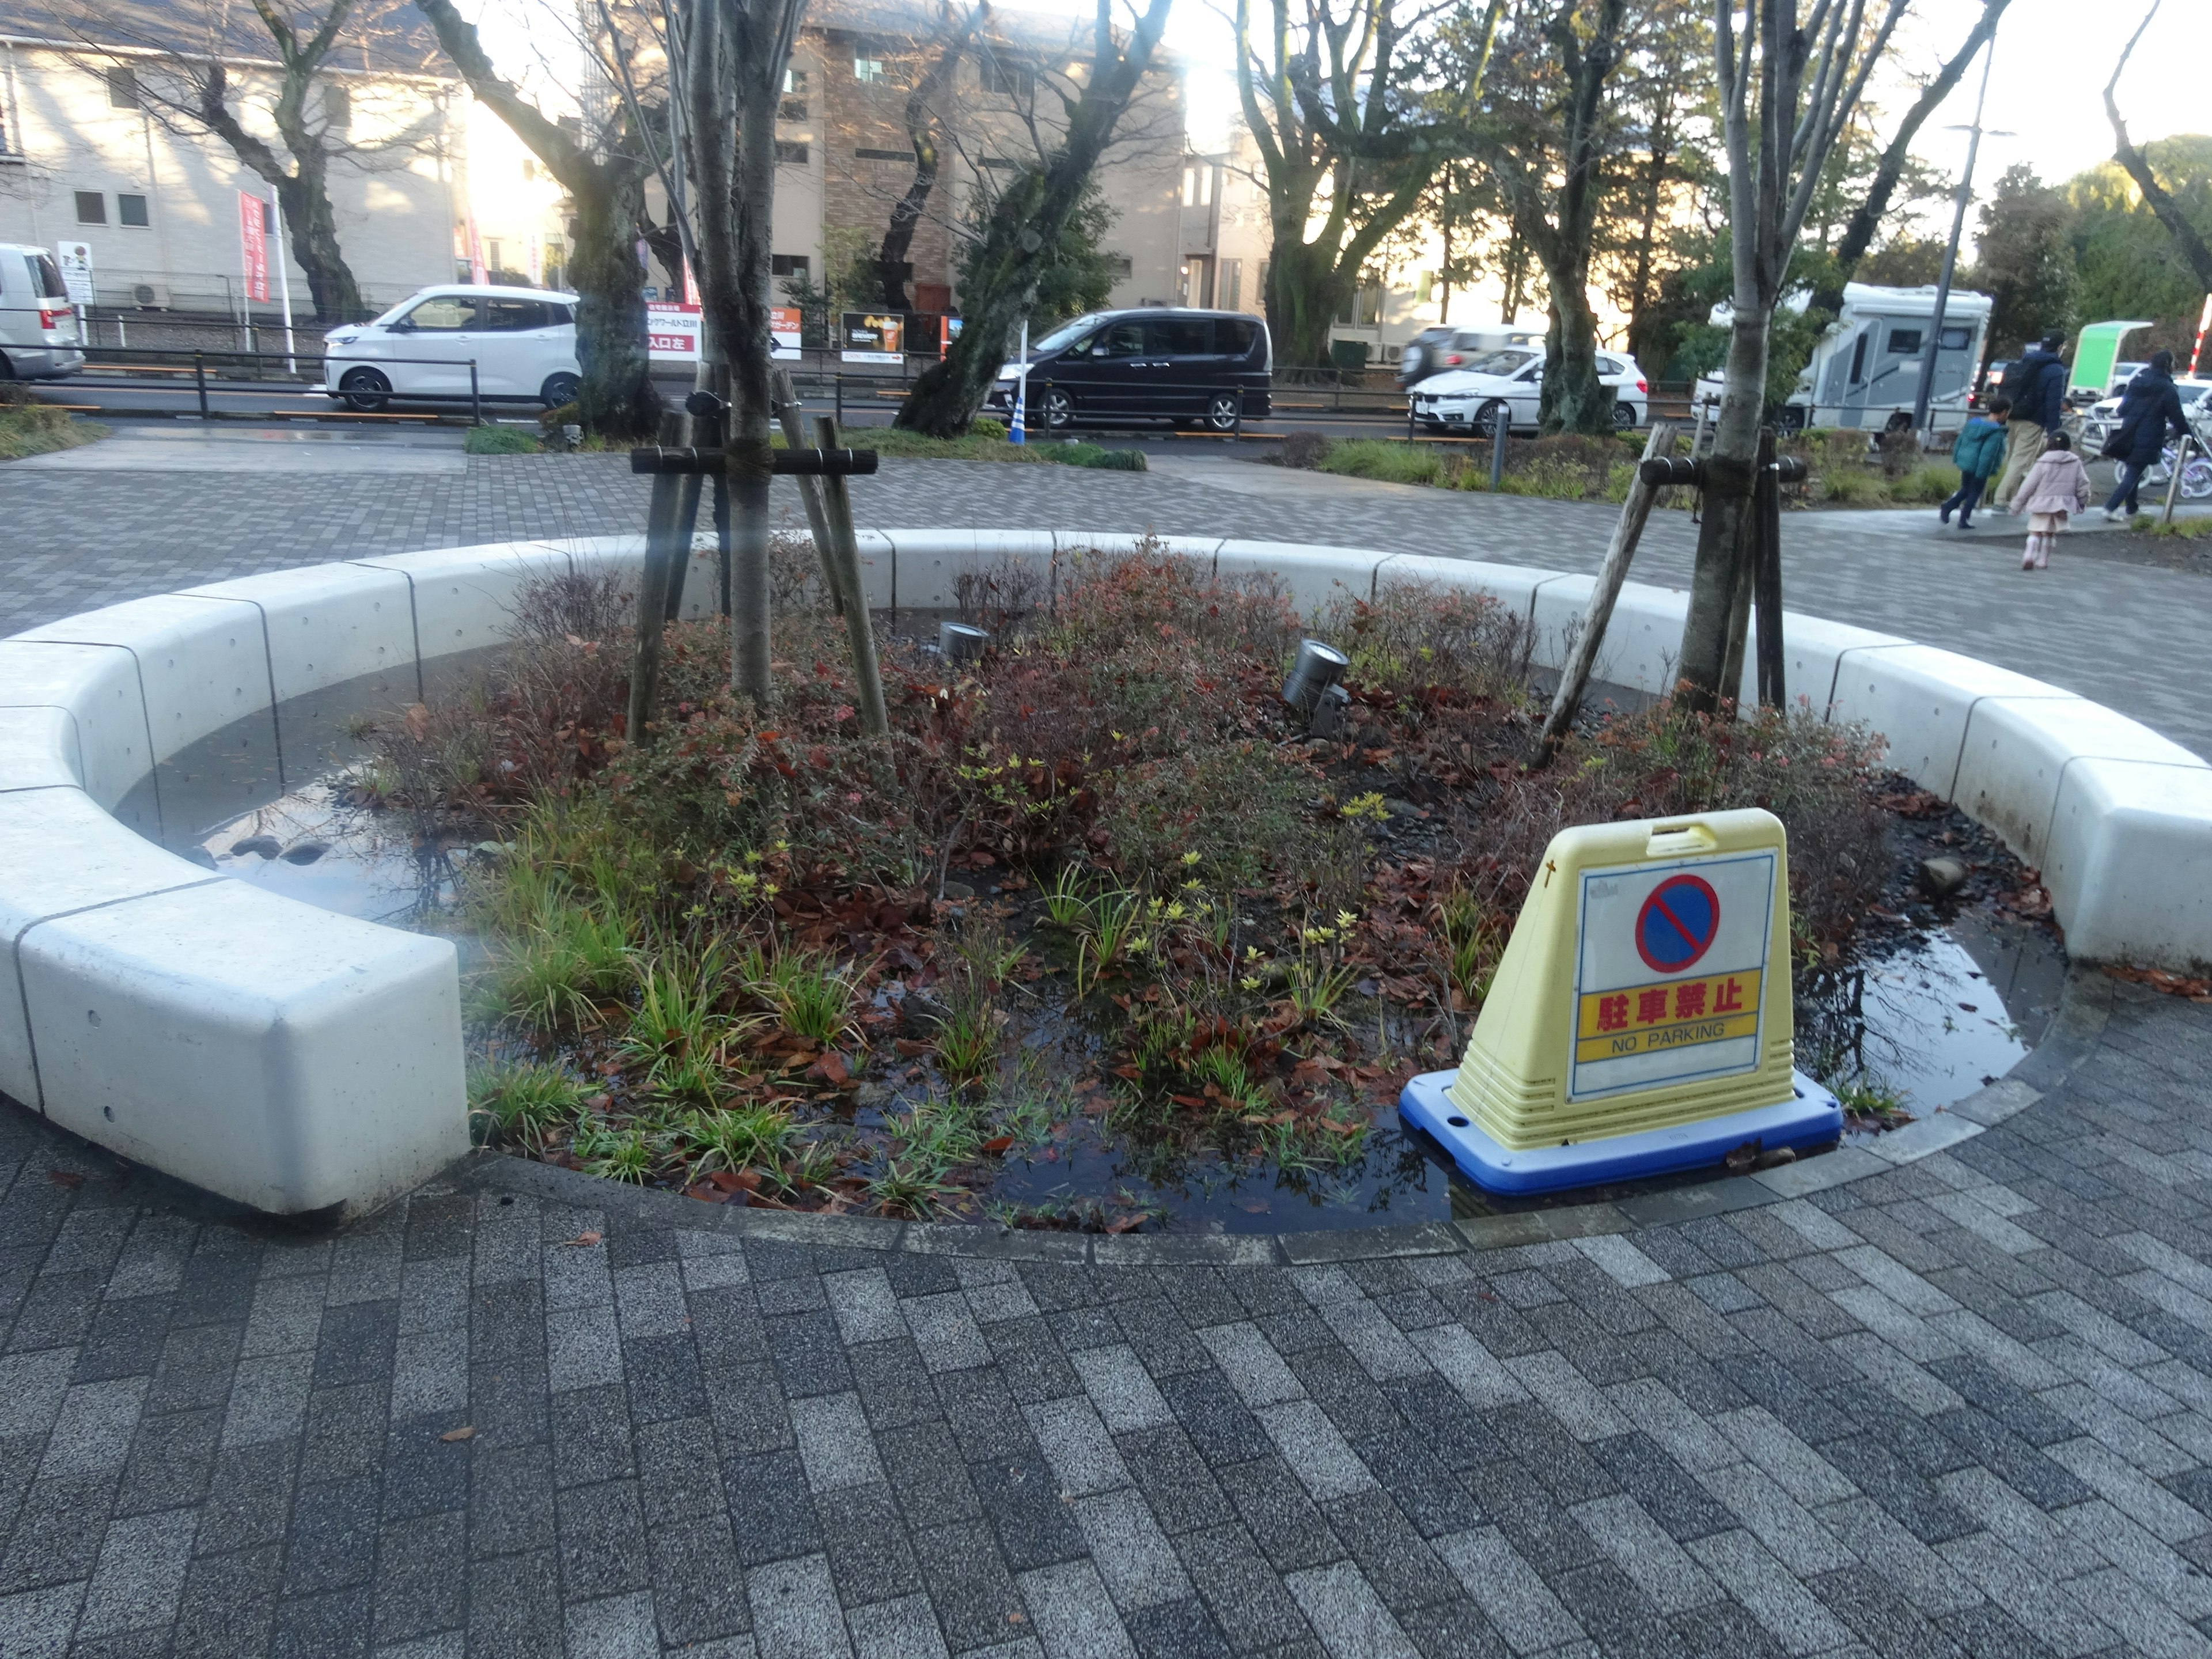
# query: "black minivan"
(1194, 367)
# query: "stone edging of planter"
(305, 1063)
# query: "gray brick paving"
(2127, 633)
(1960, 1408)
(1860, 1422)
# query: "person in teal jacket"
(1979, 452)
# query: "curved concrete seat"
(301, 1061)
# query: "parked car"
(38, 337)
(1466, 399)
(522, 340)
(1434, 350)
(1985, 388)
(1195, 368)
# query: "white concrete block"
(2018, 748)
(931, 562)
(1559, 605)
(39, 749)
(203, 662)
(98, 685)
(1812, 648)
(703, 577)
(1644, 640)
(1512, 585)
(284, 1057)
(1311, 577)
(463, 597)
(60, 851)
(878, 568)
(2128, 862)
(328, 624)
(1918, 698)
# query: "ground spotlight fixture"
(960, 642)
(1318, 667)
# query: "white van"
(522, 340)
(1865, 371)
(39, 337)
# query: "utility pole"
(1920, 399)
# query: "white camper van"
(1865, 372)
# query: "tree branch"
(2127, 155)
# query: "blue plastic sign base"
(1811, 1117)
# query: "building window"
(1233, 284)
(870, 61)
(791, 109)
(131, 210)
(556, 262)
(790, 265)
(905, 156)
(1123, 266)
(794, 81)
(493, 263)
(1009, 80)
(1363, 309)
(1198, 185)
(788, 155)
(122, 87)
(91, 208)
(337, 106)
(268, 218)
(998, 164)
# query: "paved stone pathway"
(1962, 1408)
(2125, 633)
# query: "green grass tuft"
(501, 440)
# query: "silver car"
(38, 335)
(1468, 399)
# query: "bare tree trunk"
(1866, 218)
(616, 399)
(302, 193)
(1025, 227)
(1715, 578)
(2162, 203)
(921, 125)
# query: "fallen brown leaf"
(469, 1432)
(69, 1178)
(582, 1240)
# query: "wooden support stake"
(793, 420)
(1766, 501)
(844, 548)
(1574, 679)
(2173, 483)
(653, 584)
(1751, 532)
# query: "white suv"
(522, 340)
(38, 337)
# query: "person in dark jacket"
(2036, 386)
(1978, 451)
(2150, 409)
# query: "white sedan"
(1466, 399)
(521, 340)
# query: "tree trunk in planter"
(1777, 143)
(1024, 231)
(1306, 292)
(921, 128)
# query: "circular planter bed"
(1103, 939)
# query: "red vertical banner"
(254, 240)
(476, 272)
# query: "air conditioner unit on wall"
(152, 296)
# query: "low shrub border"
(300, 1062)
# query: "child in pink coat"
(2056, 485)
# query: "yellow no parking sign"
(1640, 1017)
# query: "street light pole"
(1920, 399)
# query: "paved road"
(2127, 633)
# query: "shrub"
(1391, 461)
(521, 1103)
(1306, 450)
(1852, 486)
(1929, 483)
(34, 428)
(501, 440)
(1414, 636)
(986, 426)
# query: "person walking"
(2055, 486)
(1978, 452)
(2036, 386)
(2150, 409)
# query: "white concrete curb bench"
(303, 1062)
